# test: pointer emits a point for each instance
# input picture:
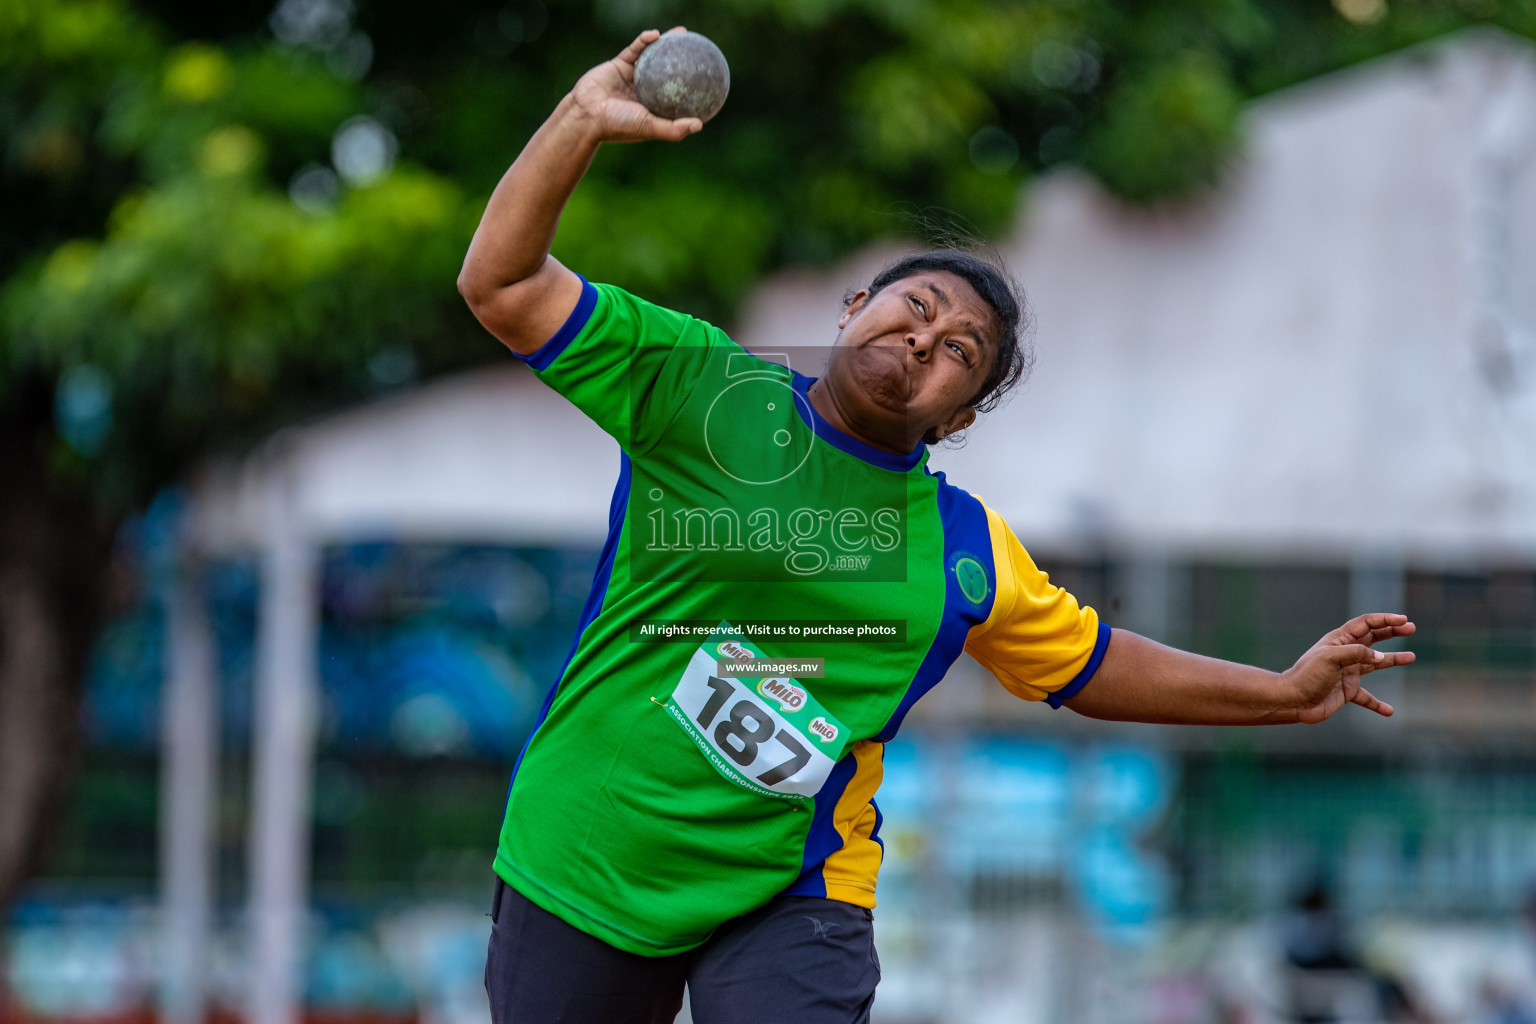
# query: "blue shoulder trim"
(595, 597)
(1081, 679)
(551, 349)
(967, 597)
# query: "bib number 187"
(742, 744)
(745, 737)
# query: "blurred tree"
(219, 217)
(200, 241)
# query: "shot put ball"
(682, 74)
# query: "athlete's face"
(910, 357)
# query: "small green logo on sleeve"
(972, 579)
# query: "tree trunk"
(55, 556)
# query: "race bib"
(769, 735)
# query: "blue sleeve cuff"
(1081, 679)
(550, 351)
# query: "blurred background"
(290, 552)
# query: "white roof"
(492, 455)
(1334, 355)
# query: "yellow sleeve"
(1038, 641)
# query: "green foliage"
(673, 237)
(184, 267)
(1166, 131)
(211, 304)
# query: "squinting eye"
(919, 304)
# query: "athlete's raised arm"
(515, 288)
(1143, 681)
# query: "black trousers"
(797, 960)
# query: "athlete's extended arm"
(514, 287)
(1143, 681)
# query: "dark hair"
(1000, 292)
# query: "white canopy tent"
(1334, 355)
(493, 456)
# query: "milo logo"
(734, 651)
(789, 696)
(824, 730)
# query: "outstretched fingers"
(1346, 656)
(1366, 659)
(672, 131)
(1388, 659)
(1376, 627)
(1328, 688)
(1365, 699)
(687, 126)
(632, 52)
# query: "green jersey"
(772, 597)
